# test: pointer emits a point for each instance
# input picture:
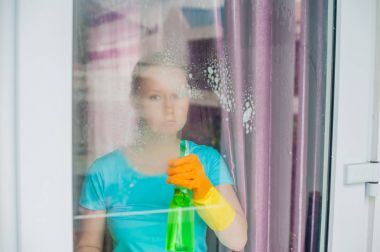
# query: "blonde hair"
(164, 58)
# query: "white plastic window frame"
(8, 179)
(44, 118)
(376, 214)
(350, 222)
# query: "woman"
(132, 184)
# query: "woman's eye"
(154, 97)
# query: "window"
(245, 83)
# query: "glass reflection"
(241, 84)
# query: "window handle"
(367, 173)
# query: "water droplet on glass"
(209, 69)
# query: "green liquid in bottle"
(180, 233)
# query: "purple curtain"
(277, 165)
(250, 50)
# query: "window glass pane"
(218, 107)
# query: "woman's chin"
(168, 132)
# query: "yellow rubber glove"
(213, 208)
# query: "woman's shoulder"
(106, 161)
(202, 149)
(109, 157)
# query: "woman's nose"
(169, 104)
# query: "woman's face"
(162, 100)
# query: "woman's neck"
(149, 142)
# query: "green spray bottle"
(180, 232)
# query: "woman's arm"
(235, 236)
(91, 233)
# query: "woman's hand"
(225, 216)
(188, 172)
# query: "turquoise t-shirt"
(136, 204)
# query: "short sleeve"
(92, 195)
(218, 171)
